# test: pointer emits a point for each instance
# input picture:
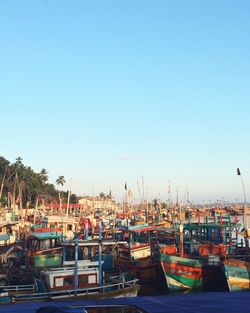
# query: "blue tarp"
(220, 302)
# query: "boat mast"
(143, 199)
(169, 194)
(143, 191)
(1, 190)
(245, 200)
(100, 254)
(68, 200)
(76, 267)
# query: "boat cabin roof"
(191, 226)
(135, 246)
(90, 243)
(46, 236)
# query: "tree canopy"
(23, 184)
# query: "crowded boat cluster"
(100, 249)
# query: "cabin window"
(45, 244)
(215, 234)
(68, 281)
(86, 279)
(83, 280)
(92, 279)
(70, 254)
(32, 245)
(69, 227)
(63, 281)
(204, 233)
(58, 282)
(124, 254)
(53, 243)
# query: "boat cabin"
(44, 247)
(68, 225)
(7, 233)
(63, 278)
(134, 251)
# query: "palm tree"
(102, 195)
(60, 181)
(43, 175)
(19, 162)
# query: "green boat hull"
(181, 273)
(237, 278)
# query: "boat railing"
(18, 288)
(73, 292)
(88, 265)
(118, 280)
(81, 263)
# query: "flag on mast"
(238, 171)
(126, 188)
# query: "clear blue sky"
(107, 91)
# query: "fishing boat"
(43, 247)
(237, 274)
(58, 284)
(196, 261)
(84, 280)
(137, 259)
(181, 273)
(136, 256)
(7, 233)
(66, 224)
(8, 236)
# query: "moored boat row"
(191, 256)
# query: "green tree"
(19, 162)
(73, 198)
(102, 195)
(22, 183)
(44, 175)
(60, 181)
